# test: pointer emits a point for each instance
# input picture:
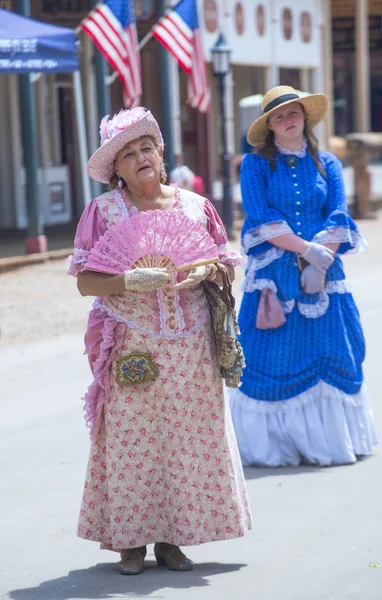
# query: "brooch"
(136, 367)
(291, 160)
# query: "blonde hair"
(113, 181)
(268, 148)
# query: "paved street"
(317, 532)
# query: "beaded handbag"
(156, 238)
(225, 328)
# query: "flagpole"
(103, 94)
(144, 40)
(166, 94)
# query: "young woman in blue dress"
(302, 397)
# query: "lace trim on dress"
(227, 254)
(321, 389)
(288, 306)
(77, 261)
(341, 286)
(259, 284)
(314, 311)
(263, 233)
(80, 255)
(299, 153)
(126, 207)
(192, 204)
(154, 334)
(255, 263)
(310, 311)
(335, 235)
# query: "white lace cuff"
(263, 233)
(255, 263)
(258, 284)
(229, 256)
(342, 235)
(77, 261)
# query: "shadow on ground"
(260, 472)
(102, 581)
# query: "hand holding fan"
(156, 238)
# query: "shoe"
(132, 561)
(172, 557)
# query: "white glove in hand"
(194, 277)
(145, 280)
(319, 256)
(312, 280)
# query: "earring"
(162, 171)
(120, 183)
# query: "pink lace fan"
(157, 238)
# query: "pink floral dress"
(164, 464)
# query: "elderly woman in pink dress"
(164, 468)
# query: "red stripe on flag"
(119, 46)
(186, 45)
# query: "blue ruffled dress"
(302, 396)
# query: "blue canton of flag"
(111, 26)
(179, 32)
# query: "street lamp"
(221, 52)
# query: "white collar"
(299, 153)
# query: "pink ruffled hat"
(126, 126)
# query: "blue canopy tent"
(29, 46)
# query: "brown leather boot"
(172, 557)
(132, 561)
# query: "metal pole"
(226, 170)
(103, 95)
(102, 89)
(166, 95)
(36, 241)
(81, 133)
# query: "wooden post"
(359, 160)
(362, 66)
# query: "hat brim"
(101, 163)
(315, 105)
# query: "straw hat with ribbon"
(315, 106)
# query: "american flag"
(111, 26)
(179, 32)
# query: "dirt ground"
(40, 302)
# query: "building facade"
(273, 42)
(357, 65)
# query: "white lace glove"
(145, 280)
(319, 256)
(312, 280)
(195, 276)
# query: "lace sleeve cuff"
(229, 256)
(77, 261)
(263, 233)
(352, 238)
(255, 263)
